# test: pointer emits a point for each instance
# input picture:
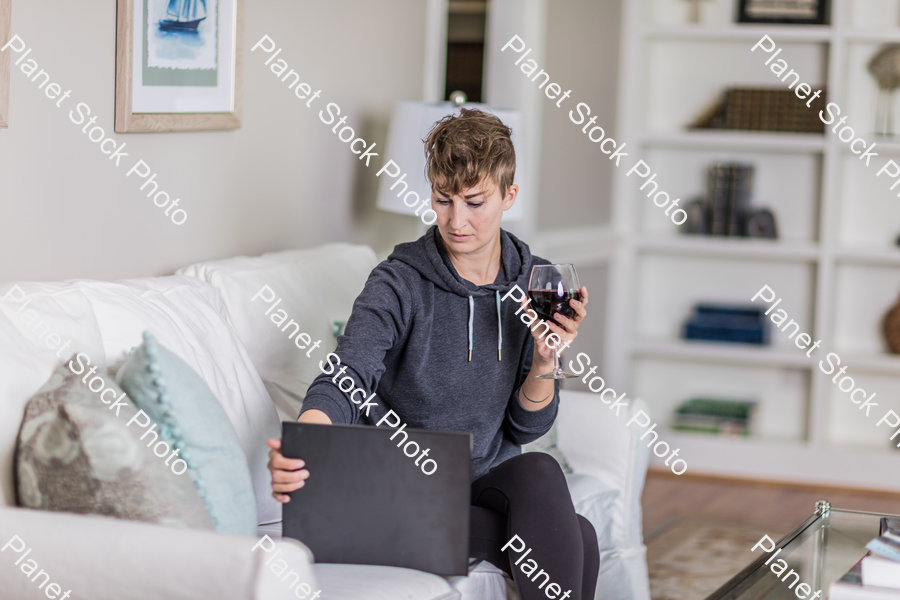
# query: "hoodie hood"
(429, 258)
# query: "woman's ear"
(510, 197)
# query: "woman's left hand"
(567, 330)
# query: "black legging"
(527, 496)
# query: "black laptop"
(366, 502)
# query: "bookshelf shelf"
(875, 37)
(741, 248)
(835, 266)
(884, 145)
(870, 256)
(873, 363)
(737, 33)
(734, 354)
(738, 140)
(734, 443)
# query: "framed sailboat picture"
(5, 33)
(178, 65)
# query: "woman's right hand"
(288, 474)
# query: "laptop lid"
(367, 502)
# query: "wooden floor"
(668, 497)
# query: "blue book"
(727, 323)
(729, 309)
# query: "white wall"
(582, 54)
(506, 87)
(281, 181)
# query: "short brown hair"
(461, 150)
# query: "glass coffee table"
(822, 548)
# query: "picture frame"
(179, 65)
(5, 61)
(794, 12)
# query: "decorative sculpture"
(694, 14)
(885, 68)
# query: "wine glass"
(550, 289)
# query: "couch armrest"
(102, 558)
(595, 442)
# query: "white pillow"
(26, 360)
(596, 442)
(188, 318)
(595, 502)
(317, 288)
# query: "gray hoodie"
(409, 338)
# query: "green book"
(710, 415)
(729, 409)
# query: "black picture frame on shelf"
(793, 12)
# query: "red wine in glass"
(550, 289)
(546, 303)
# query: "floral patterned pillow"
(75, 454)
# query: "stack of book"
(725, 209)
(727, 323)
(877, 575)
(728, 197)
(763, 109)
(710, 415)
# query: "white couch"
(206, 316)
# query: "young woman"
(430, 334)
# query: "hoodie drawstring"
(499, 326)
(471, 324)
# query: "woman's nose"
(457, 218)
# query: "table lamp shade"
(410, 124)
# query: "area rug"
(689, 559)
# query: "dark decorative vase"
(891, 326)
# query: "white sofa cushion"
(188, 317)
(484, 582)
(102, 558)
(316, 286)
(26, 359)
(364, 582)
(587, 433)
(595, 501)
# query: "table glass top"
(821, 550)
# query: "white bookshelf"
(835, 264)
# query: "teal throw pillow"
(174, 396)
